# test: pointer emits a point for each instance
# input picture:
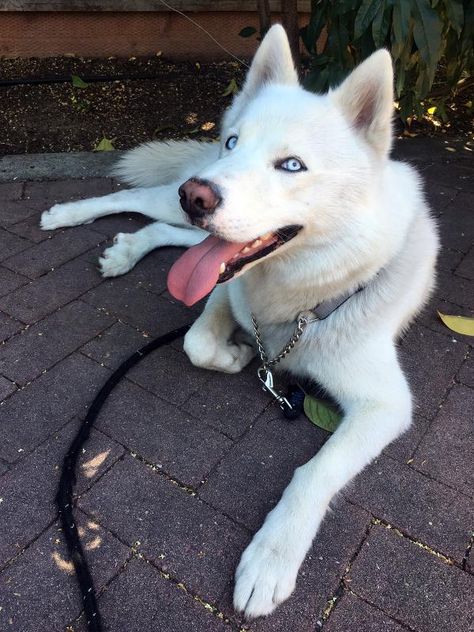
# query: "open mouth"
(255, 250)
(216, 260)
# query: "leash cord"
(64, 495)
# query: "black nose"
(199, 198)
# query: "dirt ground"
(130, 101)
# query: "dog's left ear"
(272, 63)
(366, 99)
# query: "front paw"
(59, 216)
(119, 258)
(206, 351)
(266, 575)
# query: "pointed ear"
(366, 100)
(272, 63)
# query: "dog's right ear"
(272, 63)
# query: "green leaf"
(381, 24)
(460, 324)
(455, 13)
(248, 31)
(77, 82)
(106, 144)
(232, 88)
(365, 15)
(401, 21)
(427, 33)
(321, 414)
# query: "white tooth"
(266, 236)
(222, 268)
(246, 249)
(256, 243)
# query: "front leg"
(210, 343)
(373, 392)
(160, 203)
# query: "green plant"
(418, 33)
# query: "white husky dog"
(303, 206)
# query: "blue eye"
(291, 164)
(231, 142)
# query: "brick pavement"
(183, 464)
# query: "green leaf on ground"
(248, 31)
(321, 414)
(460, 324)
(106, 144)
(232, 88)
(77, 82)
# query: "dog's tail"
(157, 162)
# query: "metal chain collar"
(303, 320)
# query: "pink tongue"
(196, 272)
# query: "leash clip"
(266, 378)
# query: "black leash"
(64, 496)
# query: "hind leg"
(160, 203)
(129, 248)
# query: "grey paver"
(16, 211)
(36, 300)
(466, 267)
(412, 585)
(27, 355)
(157, 604)
(10, 281)
(171, 439)
(63, 190)
(419, 506)
(8, 326)
(53, 252)
(450, 461)
(456, 289)
(6, 388)
(28, 488)
(38, 592)
(30, 415)
(403, 448)
(466, 372)
(352, 613)
(11, 244)
(252, 477)
(10, 191)
(431, 361)
(182, 535)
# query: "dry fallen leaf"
(460, 324)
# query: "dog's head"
(292, 164)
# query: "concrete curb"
(60, 166)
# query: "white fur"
(365, 222)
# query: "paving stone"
(30, 415)
(119, 223)
(10, 191)
(17, 211)
(156, 604)
(152, 271)
(26, 356)
(51, 192)
(403, 448)
(34, 301)
(28, 489)
(6, 388)
(445, 452)
(170, 375)
(457, 223)
(456, 289)
(30, 229)
(341, 534)
(431, 360)
(466, 267)
(449, 260)
(4, 467)
(115, 344)
(53, 252)
(449, 173)
(135, 306)
(351, 613)
(229, 402)
(466, 373)
(178, 532)
(440, 196)
(8, 327)
(419, 506)
(11, 244)
(412, 585)
(252, 477)
(182, 446)
(10, 281)
(45, 563)
(429, 318)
